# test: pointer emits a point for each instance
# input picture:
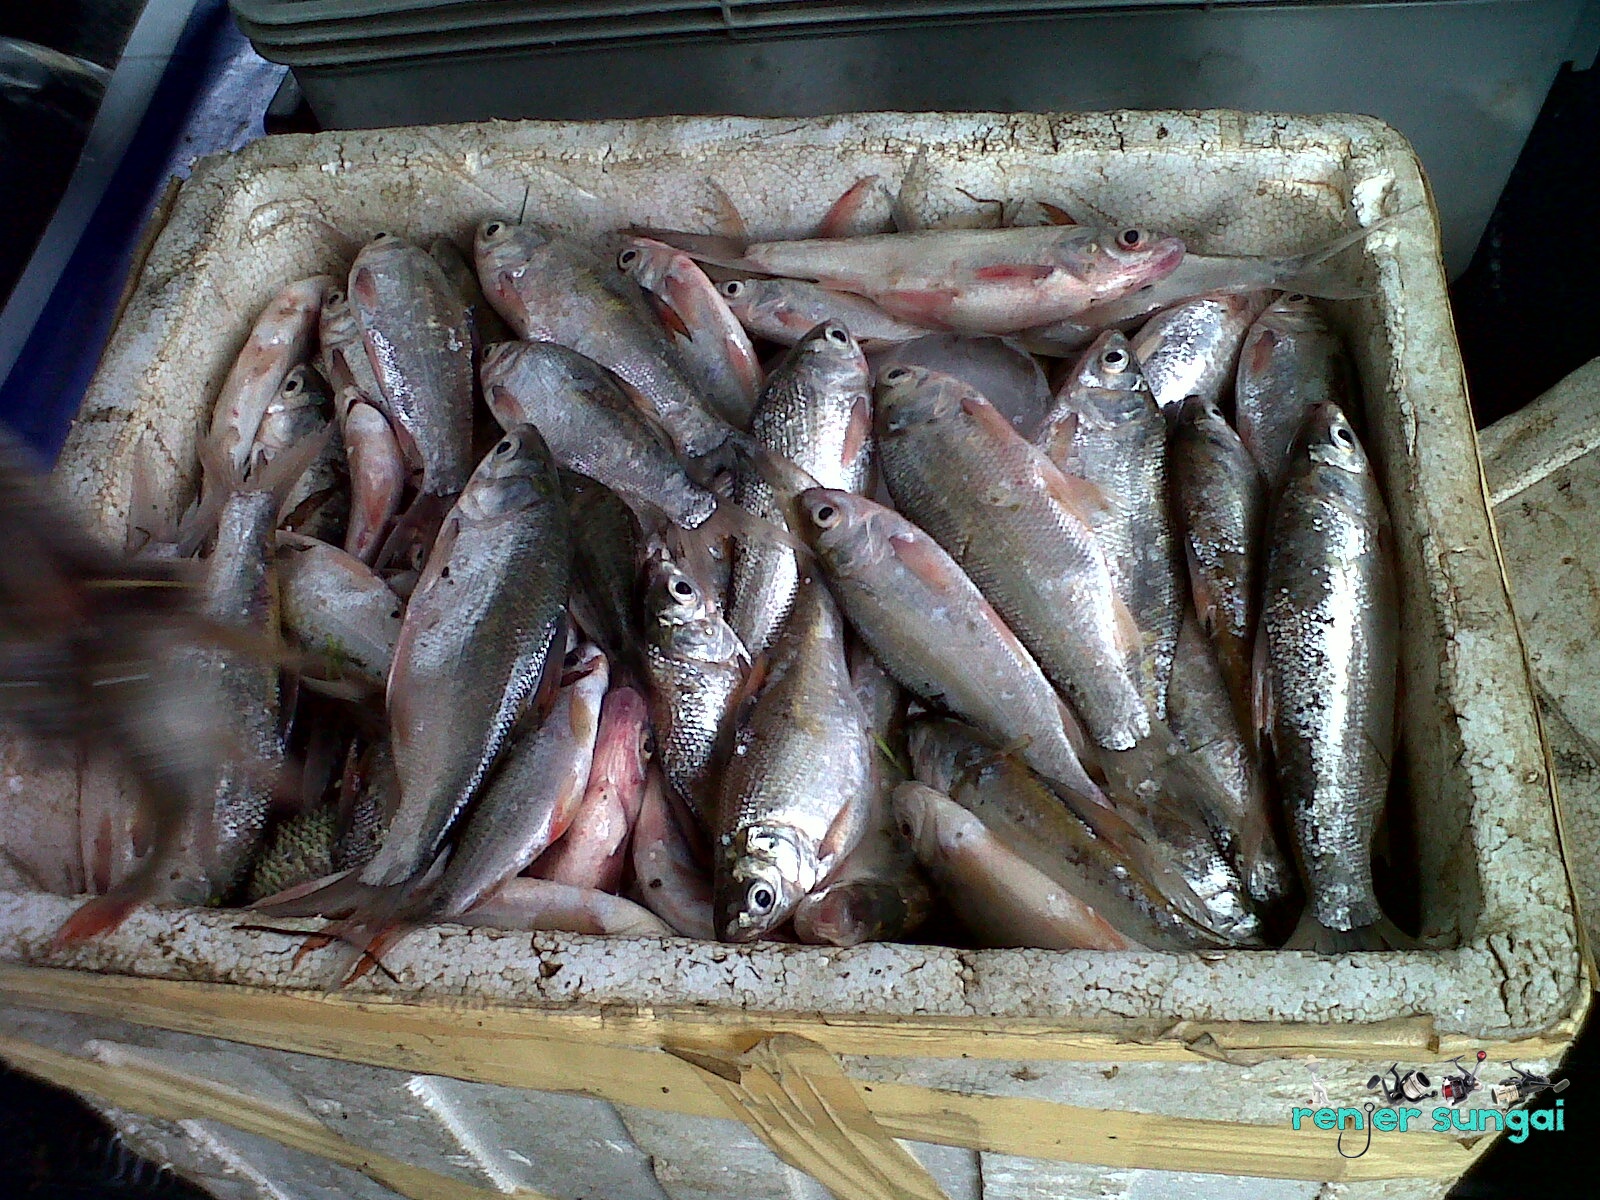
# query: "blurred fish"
(999, 369)
(318, 505)
(338, 610)
(1326, 662)
(607, 546)
(542, 905)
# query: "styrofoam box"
(1492, 887)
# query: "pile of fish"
(1024, 586)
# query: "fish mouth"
(1164, 259)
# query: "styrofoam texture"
(1544, 477)
(1490, 873)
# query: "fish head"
(1107, 389)
(909, 396)
(741, 295)
(945, 753)
(380, 247)
(1294, 312)
(830, 354)
(673, 596)
(1204, 417)
(497, 362)
(503, 248)
(838, 527)
(1329, 441)
(515, 475)
(1114, 262)
(764, 872)
(917, 812)
(645, 261)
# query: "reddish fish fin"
(1032, 272)
(669, 316)
(1260, 349)
(1057, 215)
(1205, 605)
(1074, 493)
(729, 218)
(927, 307)
(858, 434)
(1130, 638)
(924, 559)
(542, 700)
(100, 915)
(836, 222)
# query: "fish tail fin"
(98, 915)
(1382, 934)
(333, 895)
(1314, 276)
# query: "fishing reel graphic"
(1524, 1086)
(1395, 1087)
(1462, 1082)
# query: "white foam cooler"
(574, 1067)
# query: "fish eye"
(838, 335)
(1131, 239)
(291, 385)
(1344, 437)
(896, 374)
(336, 296)
(648, 743)
(1114, 359)
(574, 657)
(682, 587)
(492, 228)
(826, 516)
(627, 258)
(383, 237)
(1296, 298)
(506, 446)
(733, 289)
(761, 899)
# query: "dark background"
(1527, 313)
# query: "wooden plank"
(491, 1046)
(217, 1008)
(796, 1098)
(154, 1092)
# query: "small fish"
(592, 427)
(1000, 369)
(419, 342)
(342, 354)
(695, 664)
(977, 280)
(815, 411)
(336, 608)
(533, 795)
(1021, 530)
(280, 340)
(1326, 663)
(1221, 501)
(1115, 868)
(709, 337)
(594, 850)
(481, 631)
(785, 310)
(671, 882)
(1107, 430)
(318, 504)
(377, 477)
(797, 789)
(1239, 809)
(998, 895)
(1291, 362)
(1192, 349)
(552, 290)
(544, 906)
(935, 633)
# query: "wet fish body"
(1192, 349)
(335, 607)
(544, 906)
(671, 882)
(1291, 362)
(377, 477)
(785, 310)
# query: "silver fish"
(534, 793)
(933, 630)
(1291, 362)
(695, 664)
(815, 411)
(671, 882)
(543, 905)
(1192, 349)
(480, 632)
(797, 788)
(785, 310)
(1021, 531)
(1107, 430)
(1000, 369)
(419, 342)
(1326, 672)
(318, 503)
(335, 607)
(551, 290)
(592, 427)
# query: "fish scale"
(816, 411)
(1327, 654)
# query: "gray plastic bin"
(1462, 79)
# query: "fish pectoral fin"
(1205, 604)
(1130, 638)
(1261, 691)
(1077, 495)
(669, 316)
